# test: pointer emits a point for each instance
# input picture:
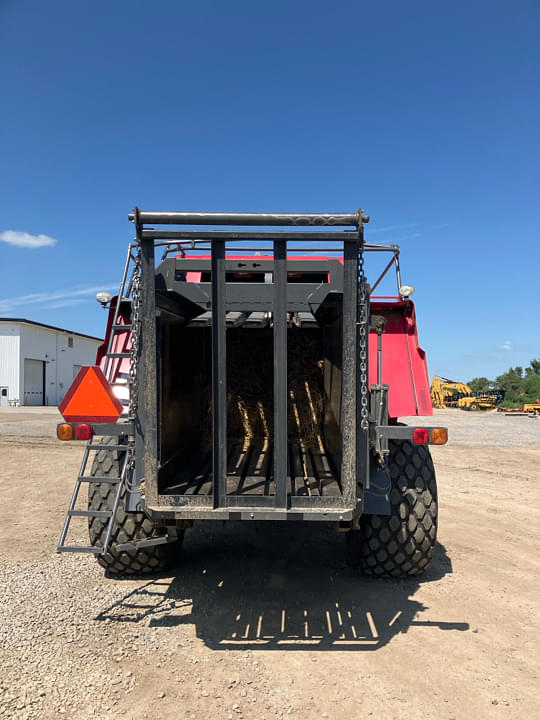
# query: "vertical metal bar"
(379, 355)
(280, 372)
(146, 422)
(363, 394)
(219, 375)
(398, 269)
(348, 391)
(110, 523)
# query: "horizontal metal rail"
(141, 217)
(206, 235)
(206, 245)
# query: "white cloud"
(54, 298)
(507, 345)
(68, 302)
(390, 228)
(26, 240)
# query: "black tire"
(402, 543)
(127, 526)
(474, 406)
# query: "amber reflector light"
(64, 431)
(439, 436)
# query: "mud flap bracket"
(377, 496)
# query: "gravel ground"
(29, 421)
(263, 620)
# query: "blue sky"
(426, 114)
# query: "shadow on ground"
(278, 586)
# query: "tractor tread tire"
(402, 543)
(127, 526)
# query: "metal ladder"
(116, 327)
(109, 514)
(91, 445)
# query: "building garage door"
(34, 381)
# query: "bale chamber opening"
(313, 410)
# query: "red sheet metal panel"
(404, 366)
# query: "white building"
(39, 362)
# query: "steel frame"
(355, 465)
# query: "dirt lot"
(261, 620)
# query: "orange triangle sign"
(90, 398)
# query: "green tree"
(521, 387)
(531, 388)
(480, 384)
(534, 368)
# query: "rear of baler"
(260, 380)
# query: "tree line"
(521, 385)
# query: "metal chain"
(362, 319)
(135, 333)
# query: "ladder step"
(80, 548)
(119, 355)
(90, 513)
(147, 542)
(121, 327)
(107, 447)
(99, 479)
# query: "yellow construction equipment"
(447, 393)
(533, 408)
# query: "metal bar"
(379, 358)
(146, 437)
(280, 372)
(149, 542)
(400, 432)
(90, 513)
(384, 248)
(219, 375)
(81, 549)
(116, 501)
(206, 235)
(205, 245)
(120, 428)
(104, 446)
(398, 271)
(99, 479)
(349, 360)
(203, 238)
(256, 250)
(320, 513)
(362, 379)
(236, 218)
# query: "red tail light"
(83, 432)
(420, 436)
